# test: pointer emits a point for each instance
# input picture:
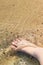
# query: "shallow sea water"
(19, 58)
(26, 18)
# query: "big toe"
(15, 42)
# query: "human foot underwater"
(21, 44)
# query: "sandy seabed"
(22, 18)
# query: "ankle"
(39, 53)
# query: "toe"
(14, 44)
(13, 47)
(18, 40)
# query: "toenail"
(12, 42)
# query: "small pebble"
(37, 29)
(42, 23)
(1, 49)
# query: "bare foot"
(23, 45)
(28, 47)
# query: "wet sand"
(21, 18)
